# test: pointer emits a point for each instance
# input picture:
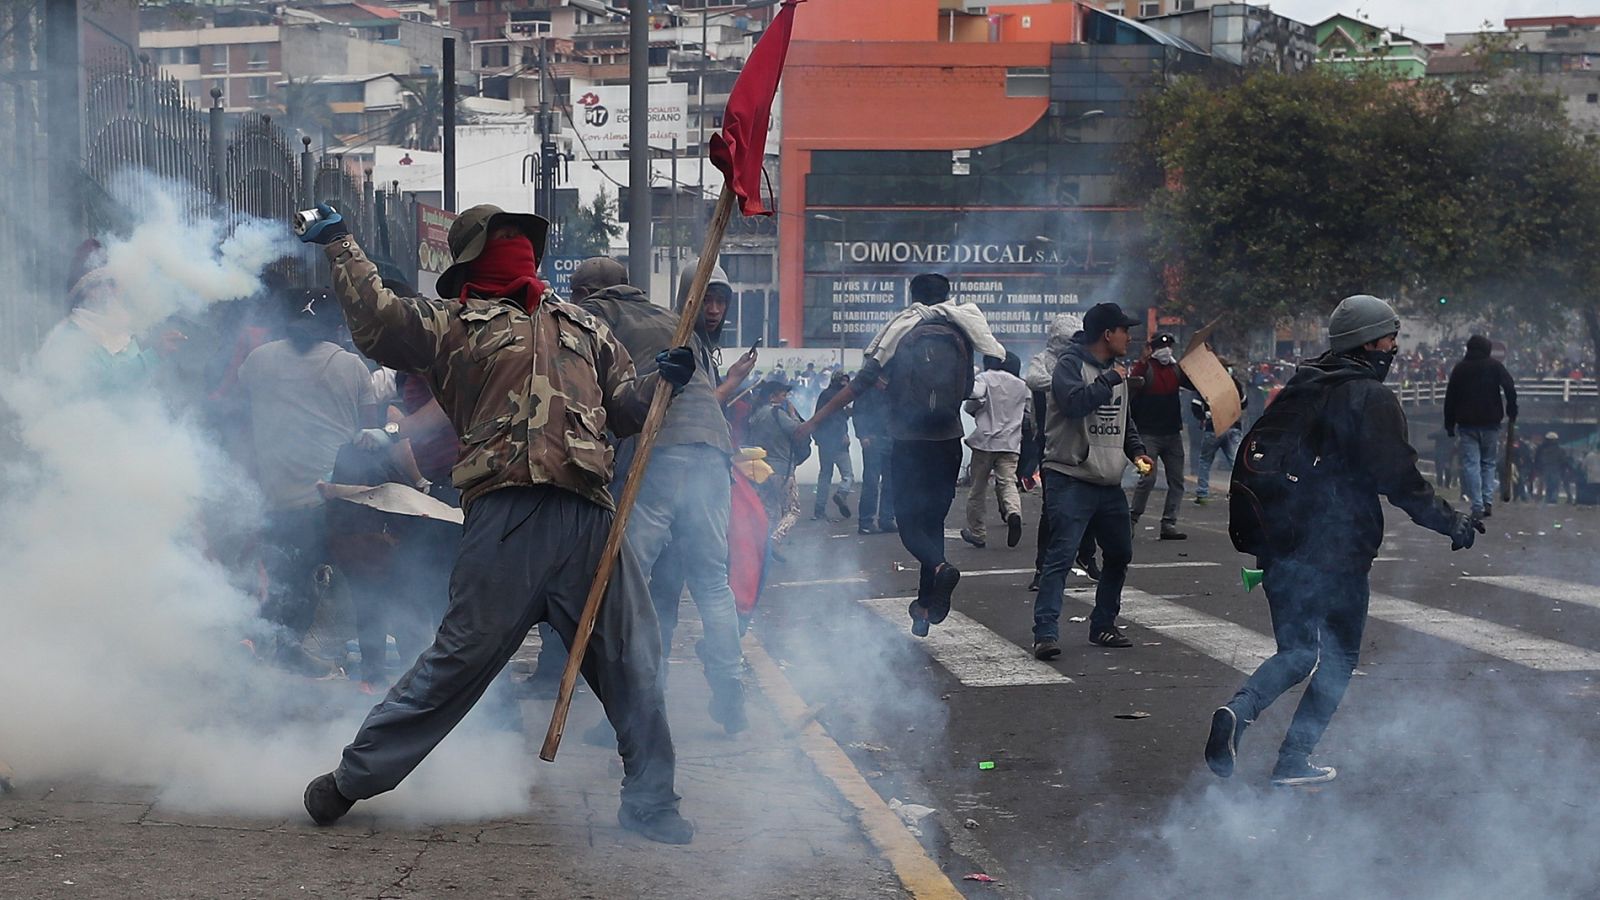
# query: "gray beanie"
(1359, 319)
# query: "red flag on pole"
(740, 149)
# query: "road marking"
(1192, 564)
(1549, 588)
(1244, 648)
(785, 584)
(1224, 641)
(976, 656)
(1489, 638)
(917, 871)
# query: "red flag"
(740, 149)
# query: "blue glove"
(676, 366)
(327, 229)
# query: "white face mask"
(1164, 356)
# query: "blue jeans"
(1317, 618)
(1228, 443)
(685, 501)
(1075, 508)
(1480, 457)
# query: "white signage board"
(601, 116)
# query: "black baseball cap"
(1103, 317)
(1163, 339)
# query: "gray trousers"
(1166, 449)
(528, 555)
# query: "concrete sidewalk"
(768, 826)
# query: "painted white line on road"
(852, 580)
(976, 656)
(1488, 638)
(1226, 642)
(1549, 588)
(1195, 564)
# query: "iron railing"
(1564, 390)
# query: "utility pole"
(448, 201)
(639, 144)
(544, 202)
(672, 276)
(63, 123)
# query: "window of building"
(256, 88)
(1027, 81)
(747, 268)
(258, 57)
(1184, 6)
(219, 56)
(1116, 8)
(1592, 98)
(1149, 8)
(467, 8)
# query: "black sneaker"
(1046, 649)
(1222, 745)
(974, 540)
(1034, 584)
(944, 584)
(1013, 529)
(1488, 510)
(663, 827)
(1090, 567)
(919, 619)
(1168, 533)
(844, 508)
(324, 802)
(1301, 772)
(1110, 637)
(864, 529)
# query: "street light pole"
(639, 144)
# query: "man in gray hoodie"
(1089, 439)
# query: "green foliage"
(1276, 195)
(419, 122)
(594, 226)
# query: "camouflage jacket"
(530, 394)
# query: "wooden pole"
(630, 488)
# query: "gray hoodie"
(1043, 365)
(1088, 434)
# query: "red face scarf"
(506, 266)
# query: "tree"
(306, 109)
(420, 120)
(594, 226)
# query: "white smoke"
(120, 651)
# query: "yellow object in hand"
(1143, 467)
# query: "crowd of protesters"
(395, 439)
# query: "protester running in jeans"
(1315, 525)
(1158, 414)
(687, 487)
(1211, 443)
(875, 512)
(925, 353)
(532, 385)
(833, 452)
(1473, 413)
(1089, 442)
(1041, 368)
(999, 406)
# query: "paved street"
(1463, 744)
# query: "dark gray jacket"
(1088, 432)
(645, 329)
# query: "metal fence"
(1564, 390)
(136, 122)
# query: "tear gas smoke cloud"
(120, 653)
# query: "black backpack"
(932, 372)
(1279, 469)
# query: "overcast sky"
(1428, 20)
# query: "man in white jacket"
(999, 404)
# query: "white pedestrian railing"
(1564, 390)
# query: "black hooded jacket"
(1366, 454)
(1473, 398)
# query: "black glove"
(1464, 531)
(1450, 432)
(328, 229)
(676, 366)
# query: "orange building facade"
(984, 147)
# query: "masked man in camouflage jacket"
(531, 384)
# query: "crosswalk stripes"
(1543, 586)
(1488, 638)
(976, 656)
(1224, 641)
